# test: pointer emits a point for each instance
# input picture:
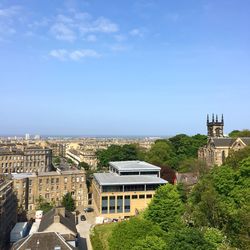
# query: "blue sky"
(113, 67)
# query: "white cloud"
(8, 17)
(120, 38)
(75, 55)
(136, 32)
(63, 32)
(118, 47)
(91, 38)
(9, 12)
(70, 27)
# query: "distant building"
(25, 160)
(50, 186)
(126, 189)
(218, 146)
(27, 137)
(8, 211)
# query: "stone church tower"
(215, 127)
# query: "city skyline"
(125, 68)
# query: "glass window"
(149, 196)
(128, 188)
(112, 188)
(127, 203)
(119, 204)
(134, 196)
(104, 204)
(141, 196)
(112, 204)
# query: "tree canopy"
(117, 153)
(68, 202)
(238, 133)
(166, 207)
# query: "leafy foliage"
(222, 200)
(150, 243)
(235, 157)
(188, 239)
(178, 152)
(84, 165)
(68, 202)
(166, 208)
(43, 205)
(238, 133)
(127, 233)
(117, 153)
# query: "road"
(83, 228)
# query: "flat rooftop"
(109, 179)
(133, 166)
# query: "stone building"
(218, 146)
(25, 159)
(51, 187)
(8, 211)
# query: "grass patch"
(99, 236)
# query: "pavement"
(83, 228)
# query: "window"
(128, 188)
(104, 204)
(149, 196)
(112, 188)
(134, 197)
(141, 196)
(112, 204)
(119, 206)
(127, 204)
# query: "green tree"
(68, 202)
(43, 205)
(235, 157)
(166, 208)
(117, 153)
(150, 243)
(238, 133)
(187, 239)
(56, 160)
(84, 165)
(69, 161)
(126, 233)
(161, 153)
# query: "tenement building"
(126, 189)
(25, 159)
(32, 188)
(218, 146)
(8, 210)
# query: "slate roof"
(223, 142)
(48, 219)
(228, 142)
(42, 241)
(246, 140)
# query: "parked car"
(83, 218)
(88, 209)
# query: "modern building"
(51, 187)
(25, 160)
(126, 189)
(218, 146)
(8, 211)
